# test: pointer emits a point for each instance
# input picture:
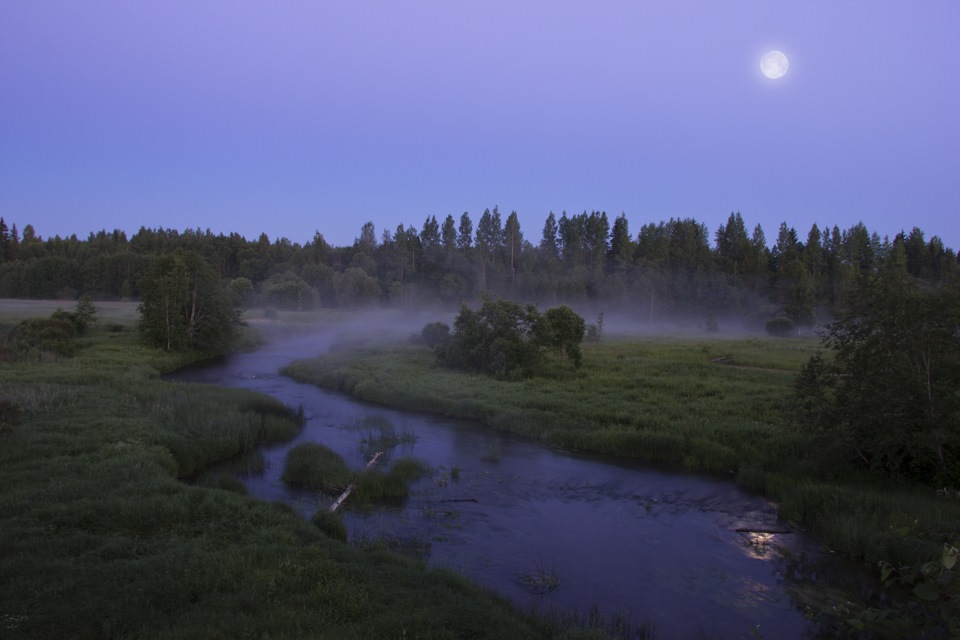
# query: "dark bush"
(506, 339)
(435, 334)
(779, 327)
(53, 335)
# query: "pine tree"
(465, 232)
(514, 241)
(548, 243)
(14, 242)
(448, 234)
(621, 246)
(430, 234)
(4, 242)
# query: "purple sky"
(291, 117)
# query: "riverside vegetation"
(103, 538)
(718, 404)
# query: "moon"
(773, 64)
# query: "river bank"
(102, 540)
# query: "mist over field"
(540, 321)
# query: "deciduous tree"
(183, 305)
(890, 395)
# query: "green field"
(665, 399)
(104, 536)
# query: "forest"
(671, 269)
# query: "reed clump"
(410, 468)
(313, 466)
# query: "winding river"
(554, 530)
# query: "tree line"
(668, 268)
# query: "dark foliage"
(82, 317)
(54, 335)
(435, 334)
(506, 339)
(288, 291)
(779, 327)
(890, 395)
(184, 306)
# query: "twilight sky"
(289, 117)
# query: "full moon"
(773, 64)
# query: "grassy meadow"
(715, 404)
(103, 536)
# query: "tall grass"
(101, 540)
(660, 400)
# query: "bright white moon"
(773, 64)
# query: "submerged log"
(346, 492)
(460, 500)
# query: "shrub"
(86, 313)
(435, 334)
(595, 330)
(53, 335)
(505, 339)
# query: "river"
(550, 529)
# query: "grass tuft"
(331, 524)
(314, 466)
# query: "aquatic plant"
(314, 466)
(409, 468)
(539, 579)
(378, 433)
(375, 485)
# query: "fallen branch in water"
(346, 492)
